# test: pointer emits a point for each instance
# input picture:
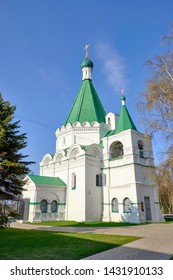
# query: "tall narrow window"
(141, 148)
(54, 206)
(109, 121)
(43, 206)
(99, 180)
(74, 181)
(126, 205)
(115, 207)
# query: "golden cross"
(86, 49)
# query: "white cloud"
(113, 66)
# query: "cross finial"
(86, 50)
(123, 98)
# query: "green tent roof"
(45, 180)
(125, 122)
(87, 105)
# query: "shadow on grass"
(41, 245)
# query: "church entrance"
(147, 208)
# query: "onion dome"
(86, 63)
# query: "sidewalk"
(156, 244)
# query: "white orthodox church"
(102, 168)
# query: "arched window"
(126, 205)
(54, 206)
(115, 207)
(141, 148)
(116, 150)
(73, 181)
(43, 206)
(109, 121)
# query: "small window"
(54, 206)
(43, 206)
(142, 206)
(109, 121)
(126, 205)
(73, 181)
(98, 180)
(115, 207)
(64, 141)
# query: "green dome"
(123, 97)
(86, 63)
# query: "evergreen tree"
(13, 165)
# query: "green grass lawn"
(91, 224)
(17, 244)
(84, 224)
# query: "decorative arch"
(68, 125)
(77, 124)
(116, 150)
(58, 157)
(94, 151)
(47, 159)
(95, 124)
(86, 124)
(74, 151)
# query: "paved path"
(156, 244)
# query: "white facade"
(131, 176)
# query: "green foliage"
(12, 162)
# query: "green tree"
(13, 165)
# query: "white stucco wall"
(94, 194)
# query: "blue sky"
(42, 45)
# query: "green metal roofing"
(125, 122)
(86, 63)
(87, 105)
(45, 180)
